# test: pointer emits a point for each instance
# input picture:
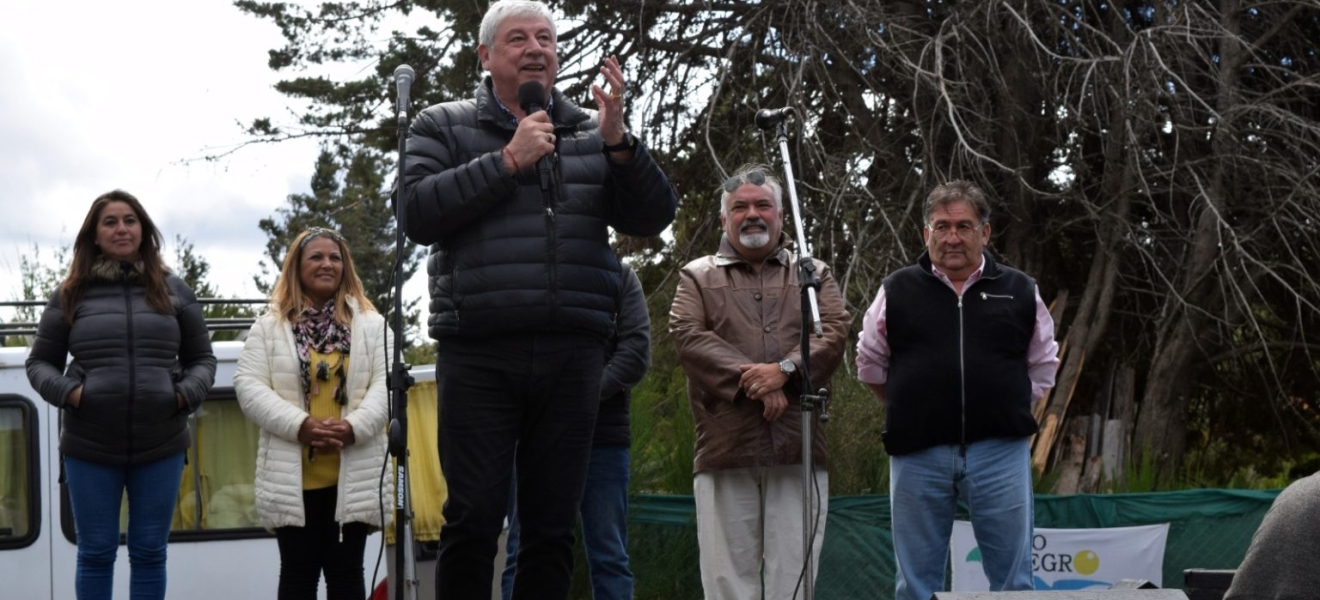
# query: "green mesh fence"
(1209, 529)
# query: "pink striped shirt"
(873, 343)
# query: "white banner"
(1070, 559)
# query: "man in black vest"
(958, 347)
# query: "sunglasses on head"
(732, 184)
(316, 232)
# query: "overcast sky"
(97, 95)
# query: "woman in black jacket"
(141, 362)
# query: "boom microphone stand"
(405, 566)
(809, 284)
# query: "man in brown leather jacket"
(736, 320)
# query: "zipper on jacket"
(132, 363)
(456, 297)
(552, 236)
(962, 378)
(985, 296)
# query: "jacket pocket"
(457, 294)
(75, 371)
(177, 376)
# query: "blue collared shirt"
(550, 104)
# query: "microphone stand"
(405, 566)
(809, 283)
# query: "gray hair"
(755, 174)
(958, 190)
(504, 9)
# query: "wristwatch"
(787, 367)
(629, 143)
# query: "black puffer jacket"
(504, 259)
(130, 360)
(627, 356)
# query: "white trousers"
(749, 523)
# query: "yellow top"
(321, 468)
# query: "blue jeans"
(533, 396)
(604, 527)
(994, 478)
(95, 492)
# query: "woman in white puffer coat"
(312, 376)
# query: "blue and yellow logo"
(1083, 562)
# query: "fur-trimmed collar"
(111, 270)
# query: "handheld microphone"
(531, 98)
(403, 78)
(769, 117)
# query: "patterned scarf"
(318, 330)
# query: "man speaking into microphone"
(514, 191)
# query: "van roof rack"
(213, 324)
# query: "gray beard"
(754, 240)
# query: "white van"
(217, 550)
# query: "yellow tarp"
(426, 481)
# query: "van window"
(19, 480)
(216, 498)
(216, 492)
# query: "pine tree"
(348, 195)
(1152, 161)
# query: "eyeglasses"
(732, 184)
(316, 232)
(943, 229)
